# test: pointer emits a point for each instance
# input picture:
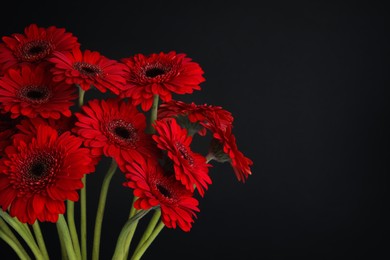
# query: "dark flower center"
(184, 153)
(38, 169)
(35, 94)
(88, 69)
(40, 165)
(164, 191)
(122, 133)
(34, 50)
(154, 72)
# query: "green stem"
(81, 96)
(27, 228)
(129, 238)
(120, 250)
(63, 231)
(149, 229)
(83, 221)
(40, 240)
(19, 250)
(100, 209)
(72, 228)
(8, 232)
(21, 230)
(133, 210)
(153, 115)
(138, 254)
(62, 243)
(83, 197)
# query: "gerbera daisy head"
(224, 148)
(154, 187)
(27, 130)
(30, 91)
(114, 128)
(35, 45)
(87, 69)
(189, 167)
(160, 74)
(37, 177)
(193, 117)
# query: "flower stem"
(40, 240)
(132, 230)
(120, 250)
(81, 96)
(21, 230)
(133, 210)
(62, 243)
(149, 229)
(83, 198)
(100, 209)
(83, 222)
(27, 228)
(129, 238)
(153, 115)
(19, 250)
(9, 234)
(72, 227)
(67, 242)
(138, 254)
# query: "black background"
(306, 84)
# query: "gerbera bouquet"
(51, 139)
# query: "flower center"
(35, 94)
(164, 191)
(122, 133)
(34, 51)
(87, 69)
(154, 72)
(184, 153)
(37, 170)
(40, 165)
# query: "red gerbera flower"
(114, 128)
(160, 74)
(224, 149)
(154, 187)
(37, 177)
(28, 128)
(35, 45)
(196, 113)
(190, 168)
(29, 91)
(89, 68)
